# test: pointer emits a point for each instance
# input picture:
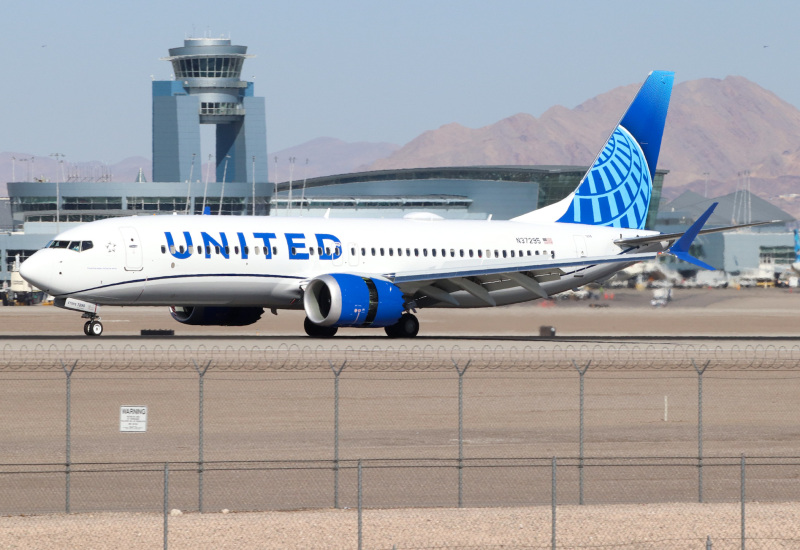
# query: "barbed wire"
(402, 358)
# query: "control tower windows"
(208, 67)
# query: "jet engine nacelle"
(346, 300)
(214, 315)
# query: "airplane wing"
(438, 285)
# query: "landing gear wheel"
(406, 327)
(95, 328)
(318, 331)
(86, 328)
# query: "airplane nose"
(36, 270)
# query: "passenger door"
(133, 249)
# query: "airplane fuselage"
(263, 261)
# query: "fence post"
(68, 372)
(359, 505)
(201, 372)
(581, 372)
(700, 372)
(166, 503)
(336, 373)
(553, 501)
(743, 479)
(461, 430)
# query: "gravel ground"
(663, 527)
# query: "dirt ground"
(618, 312)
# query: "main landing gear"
(406, 327)
(92, 327)
(318, 331)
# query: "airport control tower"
(208, 90)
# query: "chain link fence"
(435, 429)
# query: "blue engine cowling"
(215, 315)
(345, 300)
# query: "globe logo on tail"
(616, 191)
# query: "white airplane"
(225, 270)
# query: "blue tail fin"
(617, 188)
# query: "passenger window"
(235, 249)
(529, 252)
(470, 253)
(480, 253)
(416, 252)
(247, 250)
(537, 252)
(512, 253)
(163, 249)
(452, 253)
(319, 249)
(274, 251)
(216, 248)
(373, 251)
(199, 249)
(294, 251)
(496, 254)
(172, 249)
(180, 249)
(363, 251)
(504, 254)
(391, 252)
(408, 252)
(311, 251)
(461, 252)
(256, 249)
(353, 251)
(552, 253)
(399, 251)
(425, 252)
(433, 252)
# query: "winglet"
(681, 247)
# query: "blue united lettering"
(329, 246)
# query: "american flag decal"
(547, 240)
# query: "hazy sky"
(78, 74)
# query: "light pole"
(254, 185)
(58, 190)
(303, 194)
(189, 187)
(13, 168)
(222, 193)
(291, 176)
(205, 190)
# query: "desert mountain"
(716, 130)
(327, 156)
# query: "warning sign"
(133, 418)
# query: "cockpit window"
(77, 246)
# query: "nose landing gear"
(92, 327)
